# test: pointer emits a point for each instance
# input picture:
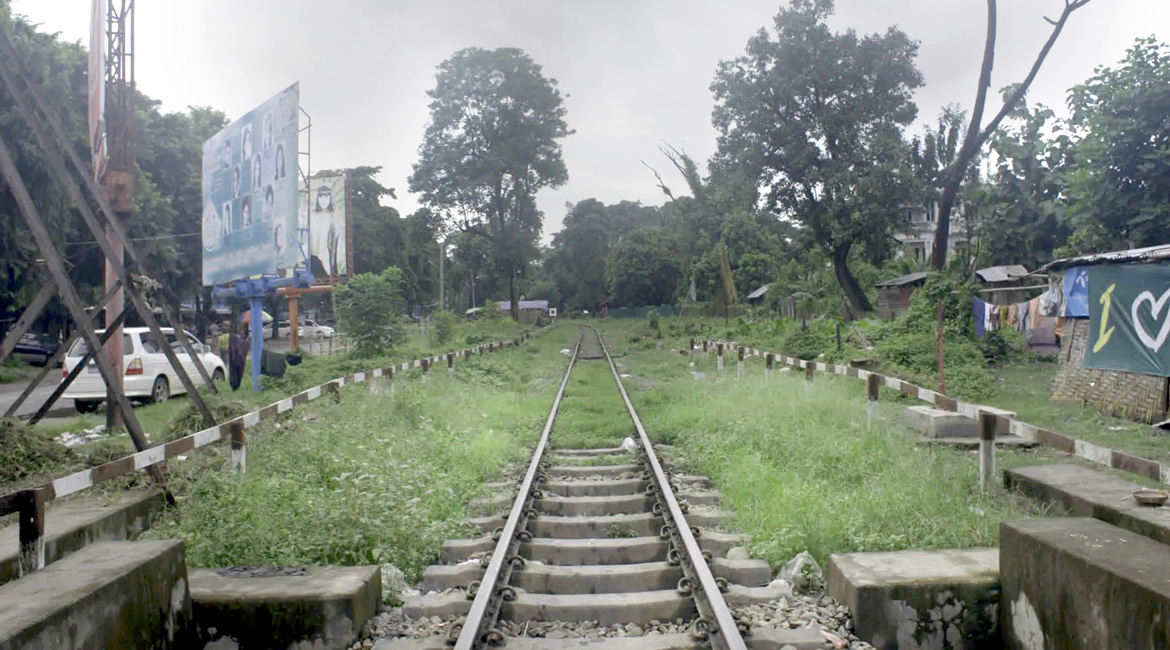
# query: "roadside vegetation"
(375, 479)
(802, 470)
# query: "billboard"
(97, 86)
(250, 193)
(1129, 318)
(324, 227)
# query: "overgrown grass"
(592, 414)
(801, 469)
(375, 479)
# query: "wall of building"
(1123, 394)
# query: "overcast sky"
(636, 73)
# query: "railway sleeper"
(641, 524)
(590, 579)
(761, 638)
(631, 550)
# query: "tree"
(378, 234)
(1119, 186)
(369, 309)
(1027, 219)
(642, 268)
(491, 145)
(817, 118)
(977, 134)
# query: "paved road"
(9, 393)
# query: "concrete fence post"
(705, 346)
(719, 352)
(739, 365)
(809, 368)
(426, 364)
(986, 450)
(691, 350)
(390, 381)
(30, 509)
(769, 361)
(239, 448)
(450, 361)
(871, 398)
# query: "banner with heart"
(1129, 318)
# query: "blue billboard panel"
(250, 193)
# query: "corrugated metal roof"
(758, 292)
(1133, 255)
(506, 305)
(1005, 273)
(912, 278)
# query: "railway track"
(604, 547)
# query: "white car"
(148, 375)
(312, 330)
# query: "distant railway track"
(597, 544)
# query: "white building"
(917, 238)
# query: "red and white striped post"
(719, 352)
(30, 508)
(239, 448)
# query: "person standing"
(238, 348)
(221, 343)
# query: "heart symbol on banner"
(1153, 343)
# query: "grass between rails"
(379, 479)
(592, 414)
(801, 470)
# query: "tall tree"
(1119, 189)
(818, 116)
(977, 134)
(491, 145)
(643, 268)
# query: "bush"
(1001, 345)
(810, 342)
(492, 311)
(369, 309)
(652, 319)
(443, 326)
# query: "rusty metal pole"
(871, 397)
(986, 450)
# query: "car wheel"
(217, 374)
(161, 391)
(86, 405)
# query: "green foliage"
(836, 106)
(189, 419)
(369, 309)
(443, 326)
(652, 319)
(1001, 345)
(643, 269)
(808, 343)
(492, 311)
(1119, 189)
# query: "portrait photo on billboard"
(245, 171)
(325, 216)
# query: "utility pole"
(442, 255)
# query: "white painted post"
(871, 396)
(31, 531)
(719, 352)
(768, 361)
(239, 449)
(809, 369)
(986, 450)
(739, 365)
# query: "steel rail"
(726, 634)
(485, 608)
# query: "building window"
(920, 253)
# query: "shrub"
(652, 319)
(443, 326)
(492, 311)
(1001, 345)
(369, 309)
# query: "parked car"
(35, 349)
(148, 375)
(311, 329)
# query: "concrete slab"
(107, 595)
(930, 600)
(1085, 492)
(72, 524)
(324, 609)
(761, 638)
(1073, 583)
(936, 423)
(1003, 441)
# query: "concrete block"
(927, 600)
(1078, 583)
(72, 524)
(107, 595)
(324, 609)
(1085, 492)
(936, 423)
